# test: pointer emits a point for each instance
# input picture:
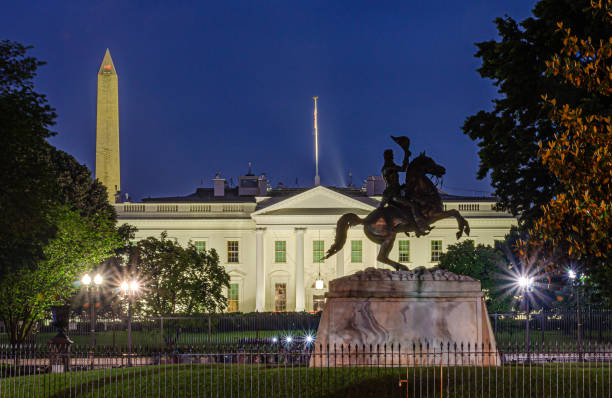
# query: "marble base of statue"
(404, 318)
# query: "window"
(200, 245)
(356, 251)
(469, 207)
(233, 298)
(280, 297)
(318, 251)
(318, 303)
(280, 251)
(404, 251)
(232, 251)
(436, 250)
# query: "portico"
(280, 238)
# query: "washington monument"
(107, 128)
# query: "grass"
(193, 380)
(152, 337)
(549, 337)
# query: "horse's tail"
(344, 223)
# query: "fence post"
(495, 327)
(542, 316)
(161, 321)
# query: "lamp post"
(574, 277)
(130, 289)
(525, 283)
(87, 281)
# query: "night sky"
(207, 87)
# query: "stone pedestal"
(404, 318)
(59, 353)
(59, 346)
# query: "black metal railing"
(304, 369)
(208, 329)
(553, 326)
(266, 328)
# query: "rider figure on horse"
(393, 192)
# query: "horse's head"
(427, 165)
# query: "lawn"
(550, 337)
(191, 380)
(153, 337)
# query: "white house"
(271, 240)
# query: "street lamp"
(97, 281)
(525, 283)
(130, 289)
(575, 278)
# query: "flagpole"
(316, 132)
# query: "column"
(260, 287)
(340, 263)
(378, 264)
(299, 269)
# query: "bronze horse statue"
(382, 224)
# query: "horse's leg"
(383, 254)
(462, 223)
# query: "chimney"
(219, 185)
(262, 186)
(375, 185)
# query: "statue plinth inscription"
(379, 307)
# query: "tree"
(86, 236)
(483, 263)
(508, 135)
(27, 294)
(56, 220)
(576, 224)
(28, 186)
(178, 280)
(77, 188)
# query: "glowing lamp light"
(525, 282)
(571, 274)
(309, 339)
(134, 286)
(86, 280)
(319, 284)
(289, 339)
(274, 340)
(125, 286)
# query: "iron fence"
(553, 326)
(542, 327)
(207, 329)
(303, 369)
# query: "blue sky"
(206, 87)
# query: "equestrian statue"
(409, 207)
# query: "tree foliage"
(508, 135)
(27, 295)
(28, 186)
(85, 237)
(577, 222)
(56, 220)
(178, 280)
(484, 263)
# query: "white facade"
(297, 220)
